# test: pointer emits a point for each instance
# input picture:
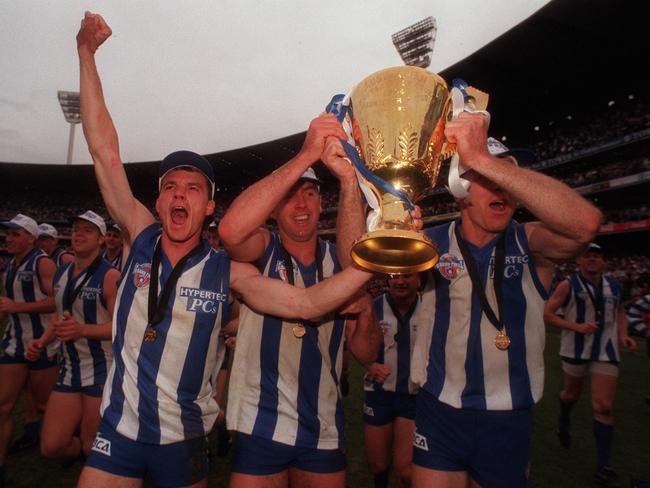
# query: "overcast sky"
(212, 75)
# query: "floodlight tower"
(72, 112)
(415, 43)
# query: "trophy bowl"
(397, 117)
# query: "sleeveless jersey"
(116, 262)
(84, 362)
(22, 284)
(636, 313)
(56, 256)
(397, 344)
(285, 388)
(455, 358)
(159, 391)
(602, 345)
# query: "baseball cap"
(93, 218)
(593, 247)
(47, 230)
(113, 225)
(21, 221)
(310, 174)
(186, 159)
(496, 148)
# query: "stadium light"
(71, 107)
(415, 43)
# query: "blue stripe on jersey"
(522, 239)
(197, 353)
(148, 365)
(378, 305)
(267, 416)
(403, 346)
(94, 345)
(308, 381)
(473, 395)
(515, 313)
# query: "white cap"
(23, 222)
(310, 174)
(93, 218)
(48, 231)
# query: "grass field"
(552, 466)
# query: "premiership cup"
(396, 119)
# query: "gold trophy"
(395, 119)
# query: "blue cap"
(186, 159)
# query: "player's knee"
(51, 448)
(602, 407)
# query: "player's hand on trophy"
(93, 32)
(469, 132)
(336, 160)
(322, 127)
(378, 372)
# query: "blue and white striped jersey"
(116, 262)
(85, 362)
(285, 388)
(635, 314)
(22, 284)
(602, 345)
(455, 358)
(56, 256)
(159, 391)
(397, 344)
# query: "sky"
(212, 75)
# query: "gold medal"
(299, 331)
(502, 341)
(150, 334)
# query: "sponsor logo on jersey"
(102, 445)
(449, 266)
(199, 300)
(90, 292)
(420, 441)
(25, 276)
(142, 274)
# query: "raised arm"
(274, 297)
(101, 135)
(351, 216)
(567, 222)
(362, 333)
(241, 229)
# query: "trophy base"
(395, 251)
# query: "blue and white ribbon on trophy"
(460, 102)
(339, 107)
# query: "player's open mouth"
(301, 218)
(498, 205)
(179, 215)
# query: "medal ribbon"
(595, 300)
(402, 320)
(477, 287)
(288, 264)
(156, 309)
(68, 299)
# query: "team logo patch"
(25, 276)
(281, 269)
(102, 445)
(142, 274)
(420, 442)
(449, 266)
(368, 410)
